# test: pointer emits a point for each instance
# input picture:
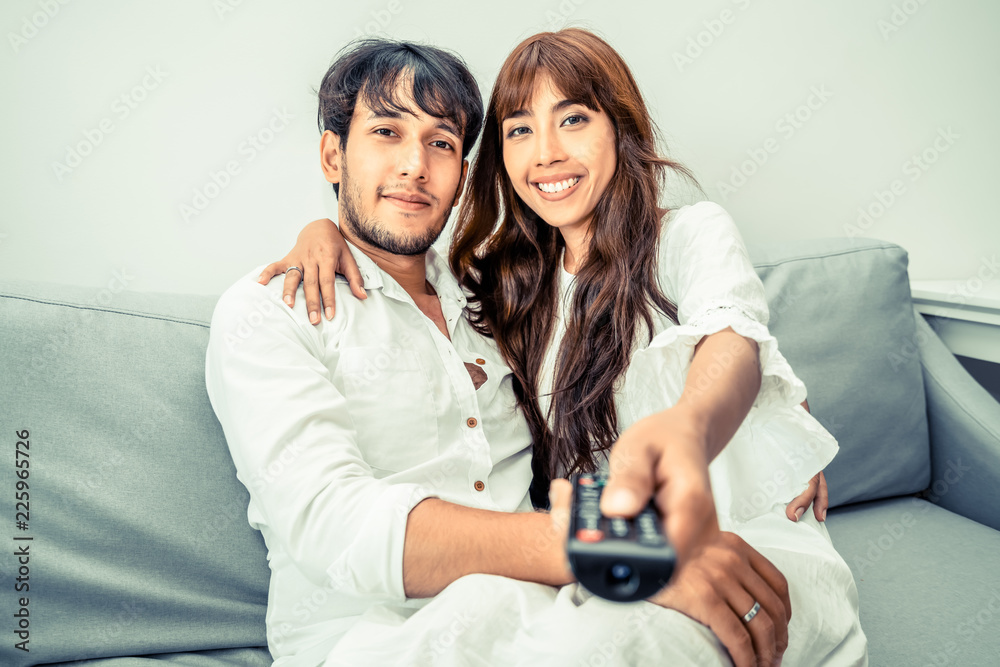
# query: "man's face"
(400, 175)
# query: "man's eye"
(385, 132)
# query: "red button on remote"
(589, 535)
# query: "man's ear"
(461, 183)
(329, 156)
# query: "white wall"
(227, 69)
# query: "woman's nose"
(550, 148)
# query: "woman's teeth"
(558, 186)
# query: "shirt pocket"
(389, 397)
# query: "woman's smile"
(555, 189)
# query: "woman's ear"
(329, 156)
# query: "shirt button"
(480, 361)
(471, 421)
(479, 485)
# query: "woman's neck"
(576, 240)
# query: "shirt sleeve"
(705, 270)
(269, 378)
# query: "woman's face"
(560, 156)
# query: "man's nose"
(413, 161)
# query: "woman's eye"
(574, 120)
(517, 131)
(442, 144)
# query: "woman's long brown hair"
(511, 268)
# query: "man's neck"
(410, 271)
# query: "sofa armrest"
(964, 421)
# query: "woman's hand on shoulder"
(320, 253)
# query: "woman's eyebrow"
(520, 113)
(558, 106)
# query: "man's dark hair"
(442, 86)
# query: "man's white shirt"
(338, 430)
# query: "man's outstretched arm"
(445, 541)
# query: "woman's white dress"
(490, 620)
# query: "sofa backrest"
(140, 539)
(842, 314)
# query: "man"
(383, 450)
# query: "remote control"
(623, 560)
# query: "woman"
(598, 301)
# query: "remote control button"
(646, 524)
(589, 535)
(619, 527)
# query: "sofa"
(134, 547)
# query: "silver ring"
(295, 268)
(753, 612)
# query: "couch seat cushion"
(928, 582)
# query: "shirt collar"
(439, 275)
(436, 268)
(370, 273)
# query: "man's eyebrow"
(448, 127)
(558, 106)
(443, 124)
(375, 115)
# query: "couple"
(394, 451)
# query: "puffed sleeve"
(705, 270)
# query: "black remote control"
(623, 560)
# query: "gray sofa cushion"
(841, 311)
(927, 580)
(141, 543)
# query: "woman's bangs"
(515, 86)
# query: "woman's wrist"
(321, 227)
(685, 431)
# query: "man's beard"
(371, 230)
